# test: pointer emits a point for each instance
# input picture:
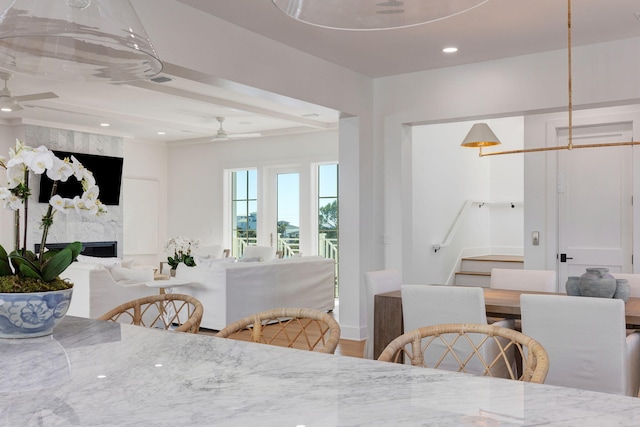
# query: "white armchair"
(377, 282)
(586, 341)
(97, 289)
(427, 305)
(524, 280)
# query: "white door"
(595, 202)
(285, 210)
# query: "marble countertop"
(94, 373)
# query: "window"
(244, 210)
(328, 213)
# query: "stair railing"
(462, 215)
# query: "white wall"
(502, 88)
(196, 172)
(149, 161)
(250, 59)
(445, 176)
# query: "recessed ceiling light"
(162, 133)
(450, 49)
(105, 125)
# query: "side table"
(164, 284)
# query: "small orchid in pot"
(33, 297)
(179, 250)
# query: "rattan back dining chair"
(532, 366)
(175, 312)
(301, 328)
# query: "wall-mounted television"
(106, 170)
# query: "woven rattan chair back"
(532, 360)
(175, 312)
(300, 328)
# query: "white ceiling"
(186, 107)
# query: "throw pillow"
(122, 273)
(107, 262)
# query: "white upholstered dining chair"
(377, 282)
(586, 341)
(428, 305)
(524, 280)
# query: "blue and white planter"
(30, 315)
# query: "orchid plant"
(180, 247)
(22, 270)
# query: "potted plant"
(180, 247)
(33, 298)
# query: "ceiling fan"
(9, 103)
(222, 133)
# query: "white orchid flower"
(78, 204)
(58, 204)
(88, 181)
(102, 209)
(13, 202)
(91, 193)
(79, 171)
(15, 175)
(4, 193)
(13, 152)
(60, 170)
(89, 205)
(38, 160)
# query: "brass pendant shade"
(78, 40)
(480, 135)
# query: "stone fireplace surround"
(96, 249)
(74, 226)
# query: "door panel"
(594, 202)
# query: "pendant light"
(372, 14)
(78, 40)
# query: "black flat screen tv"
(106, 170)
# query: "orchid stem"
(47, 220)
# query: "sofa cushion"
(209, 251)
(210, 262)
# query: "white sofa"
(230, 291)
(97, 288)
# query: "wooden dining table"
(498, 302)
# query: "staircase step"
(486, 262)
(473, 278)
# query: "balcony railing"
(289, 246)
